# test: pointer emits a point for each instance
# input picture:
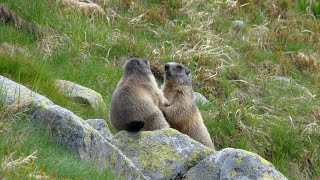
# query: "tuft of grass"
(39, 78)
(10, 34)
(313, 6)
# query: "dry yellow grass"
(10, 165)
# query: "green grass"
(236, 71)
(51, 160)
(9, 34)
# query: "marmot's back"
(133, 107)
(127, 106)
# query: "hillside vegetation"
(261, 76)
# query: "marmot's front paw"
(164, 107)
(165, 102)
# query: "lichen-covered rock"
(81, 94)
(232, 163)
(161, 154)
(201, 98)
(70, 130)
(73, 132)
(101, 126)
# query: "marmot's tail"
(135, 126)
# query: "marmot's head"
(177, 74)
(137, 66)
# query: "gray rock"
(11, 92)
(87, 7)
(161, 154)
(70, 130)
(81, 94)
(238, 25)
(232, 163)
(201, 98)
(101, 126)
(284, 80)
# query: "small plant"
(313, 6)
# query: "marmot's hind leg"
(155, 121)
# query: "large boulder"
(81, 94)
(161, 154)
(70, 130)
(232, 163)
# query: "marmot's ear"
(145, 61)
(141, 62)
(187, 71)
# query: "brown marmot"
(182, 113)
(135, 104)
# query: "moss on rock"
(161, 154)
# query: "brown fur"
(182, 113)
(136, 100)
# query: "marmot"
(136, 102)
(182, 112)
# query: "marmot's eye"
(166, 67)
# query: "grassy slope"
(235, 70)
(24, 138)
